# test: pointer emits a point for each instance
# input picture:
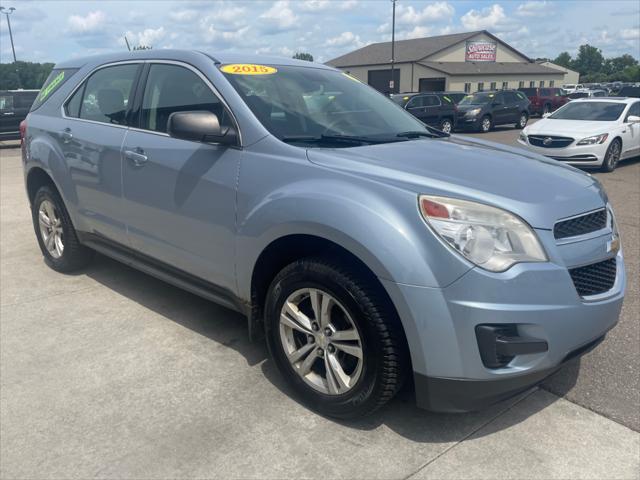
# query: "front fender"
(381, 226)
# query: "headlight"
(523, 137)
(489, 237)
(596, 139)
(473, 113)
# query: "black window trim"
(138, 92)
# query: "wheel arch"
(36, 178)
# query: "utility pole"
(392, 82)
(7, 12)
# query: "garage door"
(432, 84)
(379, 79)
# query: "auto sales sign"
(480, 51)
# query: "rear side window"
(104, 96)
(416, 102)
(6, 102)
(57, 78)
(171, 88)
(431, 101)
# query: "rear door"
(9, 128)
(513, 106)
(91, 134)
(180, 195)
(500, 112)
(415, 106)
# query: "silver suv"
(365, 246)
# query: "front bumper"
(468, 123)
(540, 299)
(579, 155)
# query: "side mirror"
(633, 119)
(200, 126)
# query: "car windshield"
(321, 107)
(477, 99)
(590, 111)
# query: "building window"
(480, 86)
(505, 85)
(521, 84)
(467, 88)
(532, 84)
(493, 85)
(542, 83)
(552, 83)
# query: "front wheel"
(55, 233)
(486, 124)
(612, 157)
(522, 121)
(334, 338)
(446, 125)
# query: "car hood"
(575, 128)
(538, 189)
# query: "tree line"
(25, 75)
(594, 68)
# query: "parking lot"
(111, 373)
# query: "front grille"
(549, 141)
(587, 223)
(595, 278)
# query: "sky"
(47, 30)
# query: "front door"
(180, 195)
(432, 109)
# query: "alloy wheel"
(614, 155)
(321, 341)
(523, 120)
(51, 229)
(486, 124)
(446, 126)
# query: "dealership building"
(466, 62)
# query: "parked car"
(435, 109)
(544, 100)
(482, 111)
(629, 91)
(366, 246)
(14, 106)
(572, 87)
(588, 133)
(455, 96)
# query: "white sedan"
(588, 132)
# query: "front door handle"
(137, 157)
(66, 135)
(8, 113)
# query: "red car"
(544, 100)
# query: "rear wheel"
(522, 121)
(486, 124)
(612, 157)
(334, 338)
(446, 125)
(55, 233)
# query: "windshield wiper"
(335, 138)
(431, 133)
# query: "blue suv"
(366, 247)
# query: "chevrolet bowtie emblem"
(547, 141)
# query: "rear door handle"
(66, 135)
(9, 113)
(137, 157)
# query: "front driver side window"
(172, 88)
(634, 110)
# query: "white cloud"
(211, 34)
(345, 39)
(418, 31)
(93, 22)
(320, 5)
(149, 37)
(435, 11)
(630, 33)
(533, 8)
(487, 18)
(280, 15)
(183, 16)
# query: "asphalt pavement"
(110, 373)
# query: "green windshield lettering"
(44, 93)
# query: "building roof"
(549, 64)
(482, 68)
(411, 50)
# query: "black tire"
(385, 355)
(446, 125)
(486, 124)
(612, 157)
(522, 120)
(74, 255)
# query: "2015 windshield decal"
(248, 69)
(44, 93)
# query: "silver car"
(365, 246)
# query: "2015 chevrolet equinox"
(364, 244)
